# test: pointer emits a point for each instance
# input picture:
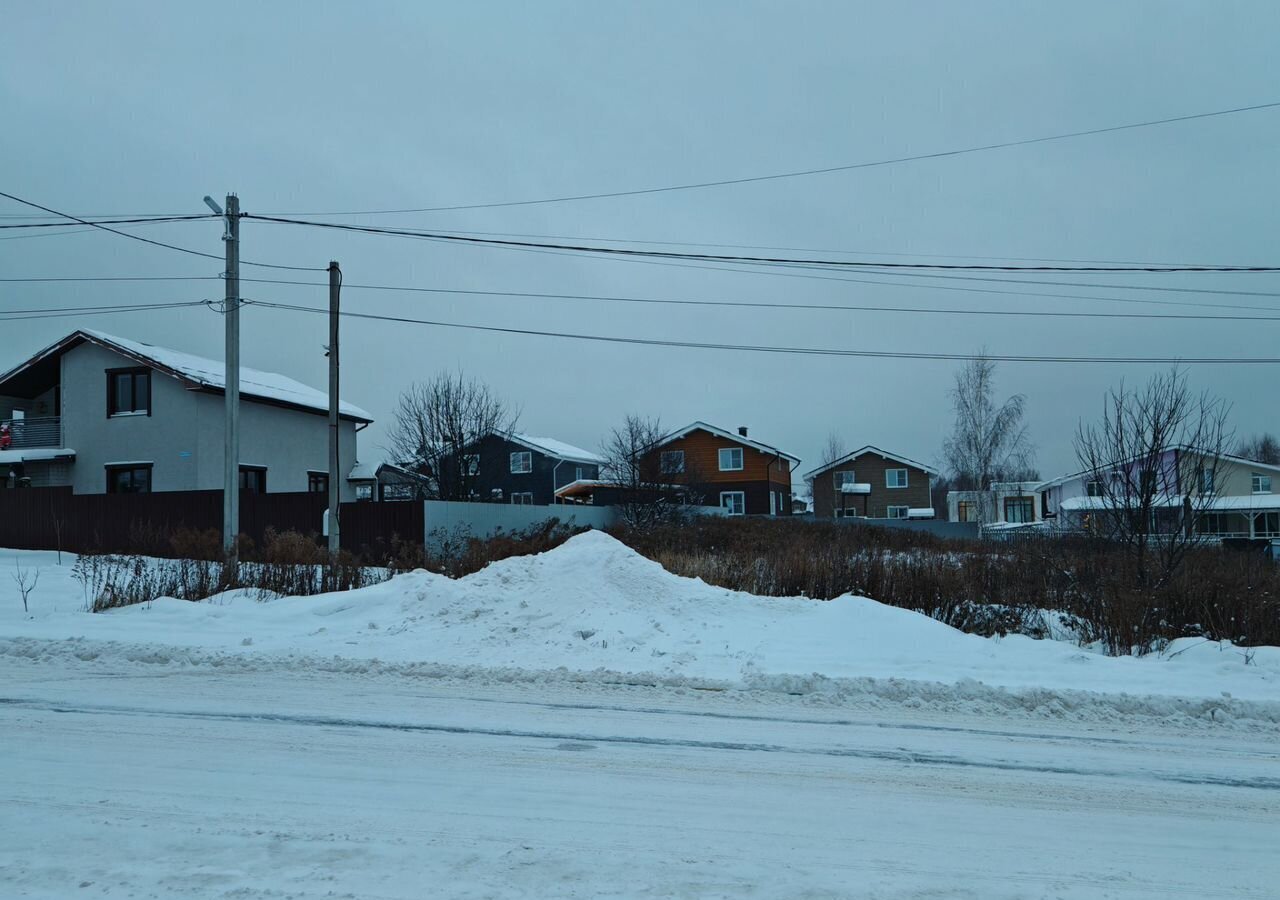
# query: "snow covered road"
(121, 779)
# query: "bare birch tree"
(833, 449)
(436, 426)
(1152, 467)
(988, 442)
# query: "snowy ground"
(584, 724)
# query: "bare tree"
(1263, 448)
(1151, 465)
(988, 442)
(26, 580)
(436, 427)
(647, 482)
(834, 449)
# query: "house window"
(1204, 479)
(1212, 524)
(1019, 509)
(318, 482)
(393, 491)
(1147, 481)
(672, 462)
(524, 498)
(129, 392)
(364, 492)
(1094, 489)
(577, 473)
(846, 514)
(843, 478)
(521, 462)
(130, 479)
(966, 511)
(734, 501)
(730, 459)
(898, 512)
(895, 478)
(1261, 483)
(471, 464)
(1267, 525)
(253, 479)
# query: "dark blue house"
(522, 468)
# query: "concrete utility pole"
(335, 288)
(231, 446)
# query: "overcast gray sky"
(145, 107)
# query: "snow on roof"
(557, 449)
(731, 435)
(1182, 448)
(35, 455)
(1247, 503)
(872, 449)
(362, 472)
(212, 373)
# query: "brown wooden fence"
(52, 518)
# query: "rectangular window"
(734, 501)
(395, 491)
(1261, 483)
(967, 511)
(134, 479)
(318, 482)
(895, 478)
(1205, 480)
(129, 392)
(846, 514)
(843, 478)
(1019, 509)
(364, 492)
(730, 459)
(672, 462)
(1267, 525)
(521, 462)
(1147, 482)
(1094, 489)
(524, 498)
(577, 473)
(898, 512)
(471, 464)
(253, 479)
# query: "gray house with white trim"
(103, 414)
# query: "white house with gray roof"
(104, 414)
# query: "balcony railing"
(27, 433)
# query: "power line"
(717, 257)
(112, 278)
(137, 237)
(615, 240)
(19, 315)
(750, 304)
(807, 172)
(99, 222)
(803, 351)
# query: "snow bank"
(594, 606)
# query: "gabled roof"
(767, 449)
(876, 450)
(1181, 448)
(197, 372)
(556, 449)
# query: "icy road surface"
(119, 780)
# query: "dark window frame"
(255, 470)
(316, 477)
(133, 372)
(133, 469)
(1021, 502)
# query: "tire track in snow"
(899, 755)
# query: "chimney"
(742, 430)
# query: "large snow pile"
(593, 604)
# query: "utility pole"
(335, 288)
(231, 446)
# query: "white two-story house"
(104, 414)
